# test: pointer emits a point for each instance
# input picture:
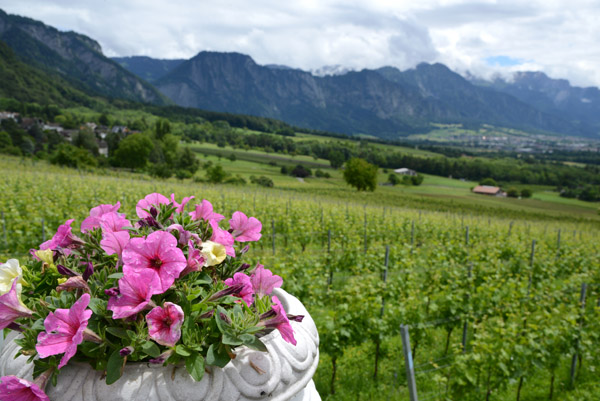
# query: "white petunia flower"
(213, 253)
(8, 272)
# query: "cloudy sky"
(559, 37)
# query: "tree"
(215, 174)
(416, 180)
(104, 120)
(187, 161)
(87, 140)
(336, 158)
(162, 128)
(361, 174)
(489, 181)
(133, 151)
(5, 141)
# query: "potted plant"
(165, 307)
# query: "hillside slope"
(77, 58)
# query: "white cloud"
(558, 37)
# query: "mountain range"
(76, 58)
(384, 102)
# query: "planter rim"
(281, 374)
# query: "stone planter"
(284, 373)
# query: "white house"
(405, 171)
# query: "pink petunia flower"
(245, 229)
(11, 307)
(195, 260)
(246, 290)
(114, 242)
(13, 388)
(113, 222)
(135, 292)
(63, 239)
(184, 202)
(158, 253)
(278, 320)
(205, 212)
(222, 237)
(153, 199)
(93, 220)
(164, 324)
(183, 235)
(264, 282)
(65, 330)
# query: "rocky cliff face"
(147, 68)
(555, 96)
(385, 102)
(76, 57)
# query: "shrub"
(489, 181)
(236, 180)
(262, 181)
(526, 193)
(161, 170)
(71, 156)
(512, 192)
(394, 179)
(301, 171)
(416, 179)
(322, 174)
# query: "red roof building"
(488, 190)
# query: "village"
(100, 131)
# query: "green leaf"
(117, 332)
(195, 366)
(254, 343)
(151, 349)
(202, 278)
(182, 350)
(231, 339)
(113, 367)
(221, 324)
(116, 275)
(98, 306)
(217, 356)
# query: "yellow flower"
(10, 271)
(62, 280)
(213, 253)
(47, 257)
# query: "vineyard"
(495, 308)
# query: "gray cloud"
(560, 37)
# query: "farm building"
(488, 190)
(405, 171)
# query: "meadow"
(490, 289)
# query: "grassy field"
(439, 193)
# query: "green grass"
(437, 193)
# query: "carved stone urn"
(283, 373)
